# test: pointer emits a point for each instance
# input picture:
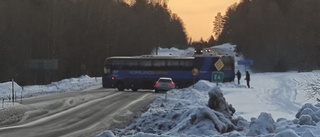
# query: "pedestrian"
(238, 76)
(248, 79)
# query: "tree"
(274, 32)
(211, 41)
(218, 24)
(80, 34)
(311, 85)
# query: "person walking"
(248, 79)
(238, 76)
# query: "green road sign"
(217, 76)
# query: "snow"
(277, 105)
(73, 84)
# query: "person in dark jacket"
(248, 79)
(238, 76)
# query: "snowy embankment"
(185, 112)
(72, 84)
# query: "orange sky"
(198, 15)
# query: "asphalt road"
(83, 113)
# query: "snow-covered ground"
(276, 105)
(72, 84)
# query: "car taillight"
(112, 78)
(171, 84)
(157, 83)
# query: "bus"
(141, 72)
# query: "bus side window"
(131, 64)
(159, 64)
(118, 64)
(186, 64)
(145, 64)
(172, 64)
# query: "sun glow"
(198, 15)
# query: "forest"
(279, 35)
(48, 40)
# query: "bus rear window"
(228, 63)
(107, 63)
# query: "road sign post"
(194, 72)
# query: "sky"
(276, 105)
(198, 15)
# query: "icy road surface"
(77, 113)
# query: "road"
(83, 113)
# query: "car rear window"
(164, 80)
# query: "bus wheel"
(134, 89)
(120, 86)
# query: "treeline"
(48, 40)
(279, 35)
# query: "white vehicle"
(164, 84)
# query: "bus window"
(145, 64)
(159, 64)
(107, 67)
(118, 64)
(107, 64)
(173, 64)
(228, 63)
(131, 64)
(186, 64)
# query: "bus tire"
(120, 86)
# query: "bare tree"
(311, 85)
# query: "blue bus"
(141, 72)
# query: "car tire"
(134, 89)
(156, 90)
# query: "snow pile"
(263, 125)
(183, 112)
(202, 110)
(174, 52)
(225, 49)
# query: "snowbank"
(174, 52)
(72, 84)
(185, 112)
